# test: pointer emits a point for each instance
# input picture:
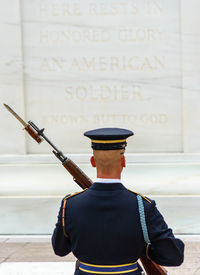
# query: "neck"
(103, 175)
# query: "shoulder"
(145, 199)
(69, 196)
(149, 205)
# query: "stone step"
(37, 268)
(51, 179)
(38, 214)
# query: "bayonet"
(27, 126)
(16, 115)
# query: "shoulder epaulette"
(74, 194)
(63, 208)
(140, 195)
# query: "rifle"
(80, 178)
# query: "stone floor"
(27, 255)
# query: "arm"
(60, 243)
(165, 249)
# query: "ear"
(123, 161)
(92, 161)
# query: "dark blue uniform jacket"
(103, 227)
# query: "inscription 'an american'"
(105, 64)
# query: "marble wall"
(71, 66)
(107, 63)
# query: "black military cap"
(108, 138)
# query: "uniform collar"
(103, 180)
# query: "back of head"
(109, 162)
(108, 158)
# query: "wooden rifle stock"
(151, 268)
(78, 175)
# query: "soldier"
(102, 223)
